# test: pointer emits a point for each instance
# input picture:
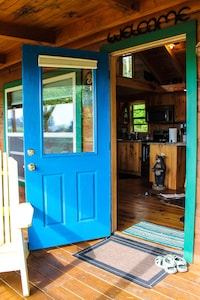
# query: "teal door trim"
(188, 30)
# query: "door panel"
(67, 125)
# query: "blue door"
(66, 144)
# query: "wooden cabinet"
(175, 160)
(129, 157)
(178, 99)
(180, 108)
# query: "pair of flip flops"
(171, 263)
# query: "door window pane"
(58, 114)
(68, 112)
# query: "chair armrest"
(24, 215)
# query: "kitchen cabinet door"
(129, 157)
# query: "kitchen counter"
(152, 143)
(131, 158)
(131, 141)
(175, 160)
(168, 144)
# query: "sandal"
(167, 264)
(180, 262)
(159, 261)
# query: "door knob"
(31, 167)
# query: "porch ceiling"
(75, 24)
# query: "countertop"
(131, 141)
(168, 144)
(152, 143)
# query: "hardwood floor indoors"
(134, 206)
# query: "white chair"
(14, 217)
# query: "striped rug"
(157, 234)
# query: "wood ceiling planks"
(75, 23)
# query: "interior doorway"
(145, 83)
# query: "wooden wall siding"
(87, 128)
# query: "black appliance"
(161, 136)
(160, 114)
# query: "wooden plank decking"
(56, 274)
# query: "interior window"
(139, 117)
(127, 66)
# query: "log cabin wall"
(13, 72)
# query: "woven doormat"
(127, 258)
(158, 234)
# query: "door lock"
(31, 167)
(30, 152)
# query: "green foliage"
(139, 118)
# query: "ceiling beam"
(159, 76)
(127, 4)
(105, 22)
(23, 32)
(12, 57)
(175, 61)
(95, 30)
(137, 84)
(2, 58)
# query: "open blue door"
(66, 111)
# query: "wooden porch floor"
(56, 274)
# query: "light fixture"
(198, 49)
(171, 46)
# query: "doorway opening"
(185, 31)
(157, 82)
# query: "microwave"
(160, 114)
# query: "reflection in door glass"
(14, 126)
(67, 113)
